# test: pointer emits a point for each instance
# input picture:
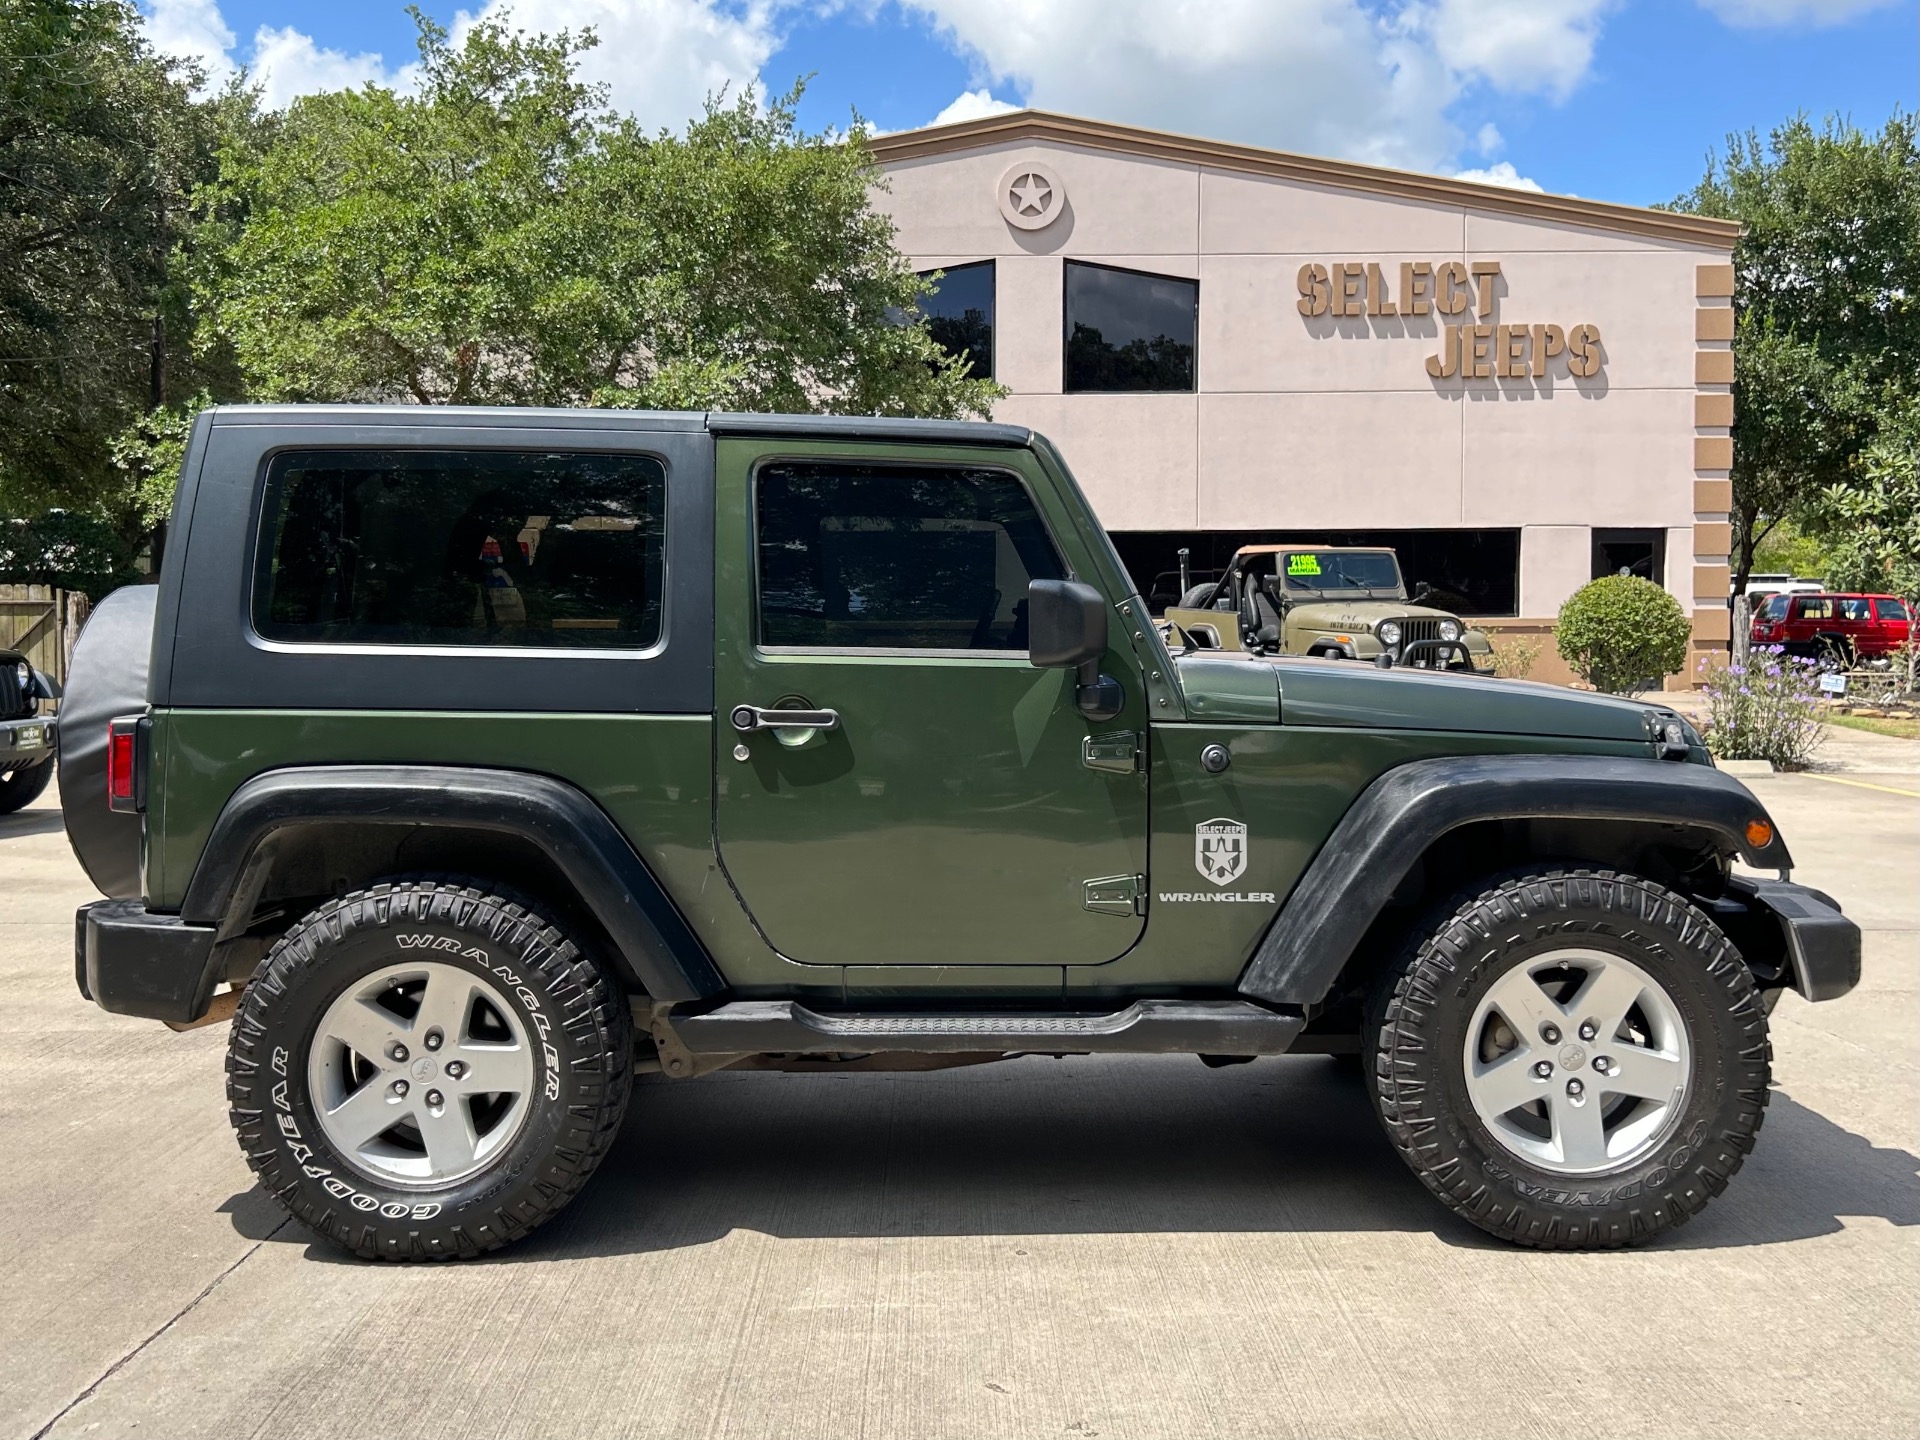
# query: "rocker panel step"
(1146, 1027)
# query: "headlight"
(1449, 629)
(24, 675)
(1388, 631)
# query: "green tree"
(100, 143)
(500, 237)
(1827, 302)
(1621, 634)
(1876, 515)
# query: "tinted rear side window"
(1891, 609)
(897, 558)
(440, 547)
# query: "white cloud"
(1523, 47)
(1488, 140)
(1756, 14)
(287, 64)
(658, 58)
(192, 30)
(1502, 174)
(1349, 78)
(972, 105)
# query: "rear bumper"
(29, 740)
(1818, 947)
(131, 961)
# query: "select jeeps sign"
(1452, 287)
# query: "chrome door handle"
(749, 718)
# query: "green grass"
(1899, 729)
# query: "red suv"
(1840, 627)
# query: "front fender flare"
(1386, 831)
(613, 882)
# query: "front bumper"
(1797, 932)
(131, 961)
(30, 740)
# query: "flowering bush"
(1764, 709)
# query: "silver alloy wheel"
(420, 1073)
(1578, 1062)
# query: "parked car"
(1337, 602)
(472, 760)
(26, 735)
(1841, 628)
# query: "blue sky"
(1614, 99)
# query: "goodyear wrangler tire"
(1573, 1060)
(422, 1070)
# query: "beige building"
(1518, 391)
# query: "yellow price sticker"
(1303, 564)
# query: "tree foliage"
(500, 237)
(100, 144)
(1621, 633)
(1875, 517)
(1827, 302)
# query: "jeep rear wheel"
(424, 1070)
(1573, 1060)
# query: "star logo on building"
(1031, 194)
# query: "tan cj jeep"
(1339, 603)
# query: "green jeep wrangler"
(1336, 602)
(473, 761)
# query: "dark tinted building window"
(959, 313)
(1630, 552)
(1129, 331)
(897, 557)
(436, 547)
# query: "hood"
(1359, 614)
(1342, 693)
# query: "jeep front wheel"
(423, 1070)
(1573, 1060)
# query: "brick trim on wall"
(1712, 460)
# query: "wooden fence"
(42, 623)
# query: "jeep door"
(947, 816)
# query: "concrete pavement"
(1092, 1247)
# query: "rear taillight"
(126, 784)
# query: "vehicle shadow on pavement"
(30, 822)
(1078, 1147)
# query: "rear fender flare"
(612, 881)
(1400, 815)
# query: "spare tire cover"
(108, 677)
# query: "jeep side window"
(896, 557)
(446, 547)
(1891, 609)
(1776, 608)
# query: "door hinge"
(1117, 895)
(1117, 752)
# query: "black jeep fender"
(648, 933)
(1403, 813)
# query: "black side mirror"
(1421, 591)
(1067, 630)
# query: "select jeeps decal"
(1220, 855)
(1220, 850)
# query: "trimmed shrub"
(1622, 634)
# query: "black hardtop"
(714, 422)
